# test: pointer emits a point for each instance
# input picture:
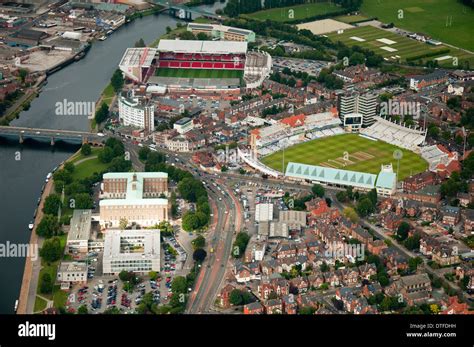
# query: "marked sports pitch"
(198, 73)
(403, 48)
(445, 20)
(364, 155)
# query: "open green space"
(40, 304)
(405, 48)
(351, 19)
(448, 21)
(291, 13)
(199, 73)
(329, 151)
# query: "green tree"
(69, 167)
(402, 230)
(51, 250)
(83, 201)
(179, 285)
(82, 310)
(46, 284)
(106, 155)
(48, 226)
(117, 81)
(199, 242)
(143, 153)
(52, 204)
(86, 149)
(102, 113)
(318, 190)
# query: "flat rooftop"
(80, 225)
(204, 47)
(138, 57)
(142, 244)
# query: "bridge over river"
(52, 135)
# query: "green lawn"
(405, 47)
(199, 73)
(429, 17)
(351, 19)
(40, 304)
(325, 150)
(284, 14)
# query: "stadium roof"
(330, 175)
(197, 46)
(219, 27)
(386, 180)
(138, 57)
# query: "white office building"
(363, 105)
(137, 112)
(131, 250)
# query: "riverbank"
(29, 283)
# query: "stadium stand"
(395, 134)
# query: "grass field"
(429, 17)
(364, 155)
(351, 19)
(199, 73)
(404, 46)
(283, 14)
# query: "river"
(23, 168)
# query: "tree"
(318, 190)
(179, 285)
(199, 255)
(48, 226)
(341, 197)
(143, 153)
(190, 221)
(350, 213)
(22, 73)
(63, 176)
(117, 80)
(199, 242)
(102, 113)
(51, 250)
(187, 35)
(202, 36)
(364, 207)
(414, 262)
(86, 149)
(46, 285)
(106, 155)
(83, 201)
(235, 297)
(52, 204)
(69, 167)
(240, 244)
(82, 310)
(402, 231)
(153, 275)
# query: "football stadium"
(194, 65)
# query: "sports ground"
(445, 20)
(363, 155)
(284, 14)
(199, 73)
(395, 47)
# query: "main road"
(229, 221)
